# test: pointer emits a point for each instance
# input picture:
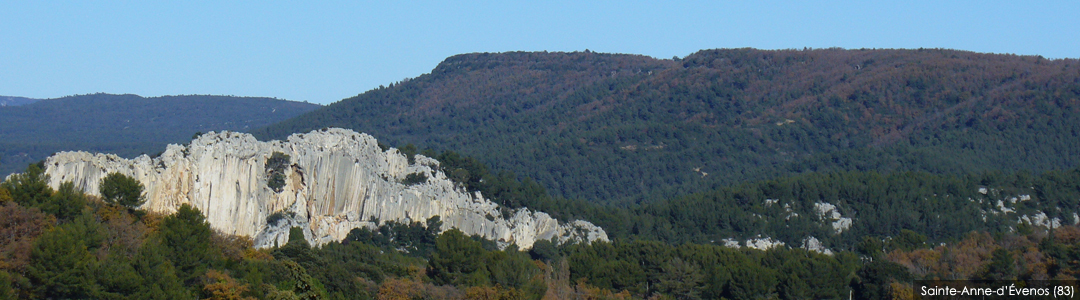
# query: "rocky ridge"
(336, 180)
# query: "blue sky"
(326, 51)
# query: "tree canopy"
(122, 190)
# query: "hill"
(126, 125)
(15, 101)
(623, 128)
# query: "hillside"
(127, 125)
(15, 101)
(622, 128)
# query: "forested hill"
(127, 125)
(615, 127)
(15, 101)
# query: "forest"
(627, 129)
(65, 244)
(126, 125)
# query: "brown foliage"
(232, 247)
(966, 259)
(920, 262)
(1067, 234)
(125, 233)
(585, 291)
(493, 293)
(5, 195)
(19, 227)
(557, 279)
(405, 289)
(224, 287)
(901, 291)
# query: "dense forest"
(632, 129)
(126, 125)
(838, 209)
(61, 244)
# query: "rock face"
(337, 180)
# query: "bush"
(415, 178)
(274, 218)
(275, 171)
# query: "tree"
(117, 277)
(185, 237)
(304, 288)
(30, 188)
(159, 277)
(19, 228)
(682, 279)
(752, 281)
(908, 240)
(873, 280)
(511, 268)
(123, 190)
(5, 195)
(1001, 266)
(6, 293)
(61, 266)
(224, 287)
(66, 203)
(275, 171)
(544, 250)
(457, 260)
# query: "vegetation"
(414, 178)
(276, 217)
(626, 129)
(275, 171)
(122, 190)
(897, 206)
(94, 249)
(126, 125)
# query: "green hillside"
(625, 128)
(127, 125)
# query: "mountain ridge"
(16, 101)
(127, 125)
(619, 128)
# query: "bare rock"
(337, 180)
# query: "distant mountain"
(621, 128)
(16, 101)
(127, 125)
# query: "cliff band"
(336, 180)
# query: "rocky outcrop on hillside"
(335, 180)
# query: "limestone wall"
(338, 180)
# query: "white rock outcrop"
(337, 180)
(763, 243)
(813, 244)
(827, 212)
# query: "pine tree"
(123, 190)
(185, 237)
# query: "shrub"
(275, 171)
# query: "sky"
(325, 51)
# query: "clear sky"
(324, 51)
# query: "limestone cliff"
(336, 180)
